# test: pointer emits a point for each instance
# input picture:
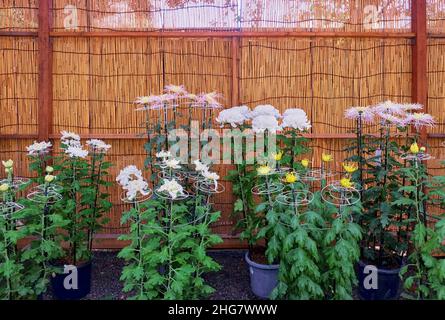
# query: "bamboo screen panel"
(324, 77)
(18, 15)
(18, 85)
(436, 16)
(334, 15)
(436, 99)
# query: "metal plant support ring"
(340, 196)
(295, 198)
(138, 199)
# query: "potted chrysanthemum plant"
(379, 157)
(172, 239)
(424, 273)
(82, 182)
(14, 283)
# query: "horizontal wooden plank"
(249, 34)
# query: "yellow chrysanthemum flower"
(305, 163)
(291, 177)
(414, 148)
(327, 157)
(278, 156)
(350, 167)
(8, 164)
(49, 169)
(264, 170)
(4, 187)
(422, 149)
(49, 178)
(346, 183)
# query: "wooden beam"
(219, 34)
(18, 34)
(45, 71)
(235, 71)
(420, 58)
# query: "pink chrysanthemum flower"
(176, 90)
(394, 120)
(411, 107)
(366, 113)
(388, 107)
(419, 120)
(209, 100)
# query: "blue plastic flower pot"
(388, 284)
(263, 277)
(63, 288)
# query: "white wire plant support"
(341, 197)
(268, 187)
(47, 195)
(16, 182)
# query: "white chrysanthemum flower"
(129, 173)
(172, 163)
(296, 118)
(262, 123)
(235, 116)
(265, 110)
(76, 152)
(212, 176)
(39, 148)
(172, 187)
(69, 138)
(163, 154)
(199, 166)
(135, 187)
(98, 145)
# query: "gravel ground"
(231, 283)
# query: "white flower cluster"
(172, 187)
(70, 139)
(204, 170)
(98, 146)
(265, 117)
(39, 148)
(235, 116)
(72, 146)
(296, 118)
(131, 180)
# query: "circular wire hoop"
(53, 187)
(295, 198)
(267, 188)
(167, 196)
(138, 199)
(39, 196)
(315, 175)
(207, 187)
(7, 209)
(339, 196)
(16, 182)
(177, 175)
(419, 156)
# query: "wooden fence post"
(45, 85)
(420, 58)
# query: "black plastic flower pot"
(388, 283)
(263, 277)
(73, 284)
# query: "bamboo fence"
(78, 65)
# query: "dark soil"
(231, 282)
